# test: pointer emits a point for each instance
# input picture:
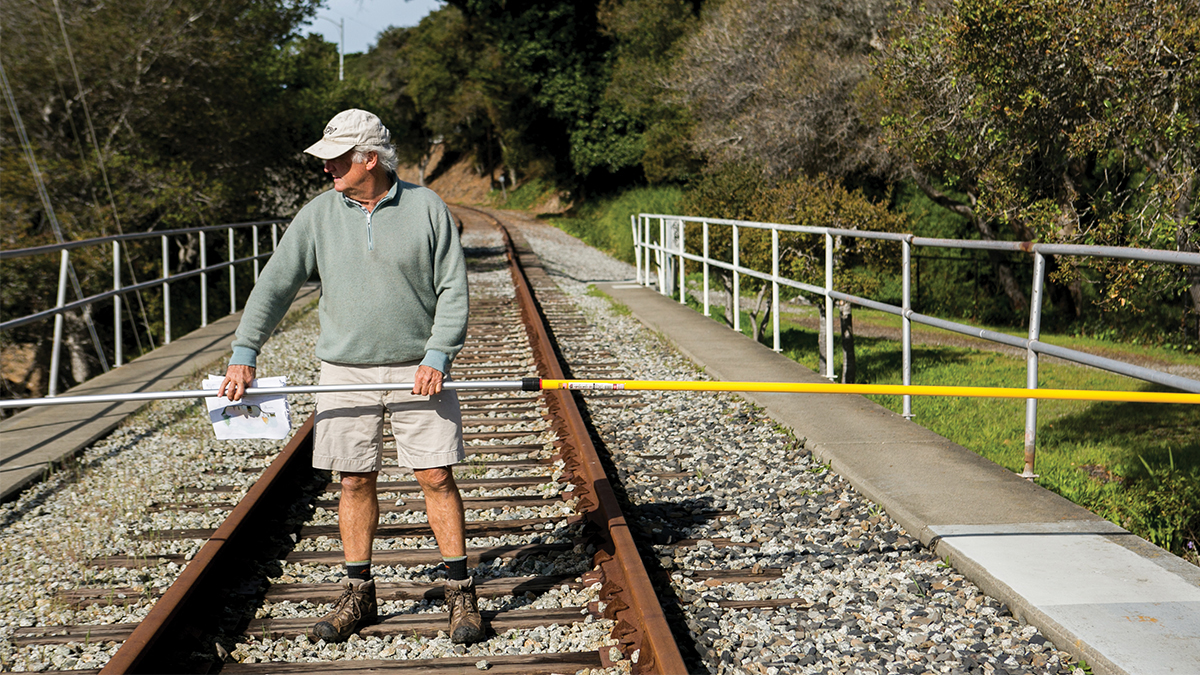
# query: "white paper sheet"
(251, 417)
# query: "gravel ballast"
(715, 468)
(711, 469)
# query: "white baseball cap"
(348, 129)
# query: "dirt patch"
(458, 182)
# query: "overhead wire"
(47, 205)
(87, 175)
(87, 114)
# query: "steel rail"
(631, 601)
(143, 651)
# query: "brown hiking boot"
(355, 609)
(466, 626)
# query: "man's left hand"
(427, 381)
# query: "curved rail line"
(183, 620)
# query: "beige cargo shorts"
(349, 425)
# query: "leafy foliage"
(153, 115)
(1060, 121)
(779, 84)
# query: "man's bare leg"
(444, 505)
(358, 514)
(358, 517)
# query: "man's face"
(349, 178)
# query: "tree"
(739, 192)
(647, 37)
(860, 265)
(1054, 121)
(152, 115)
(778, 83)
(562, 59)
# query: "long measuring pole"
(536, 384)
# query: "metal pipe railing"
(1033, 347)
(130, 236)
(119, 290)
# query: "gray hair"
(385, 152)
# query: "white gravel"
(874, 600)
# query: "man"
(393, 308)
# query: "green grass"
(524, 197)
(1166, 354)
(1135, 464)
(604, 222)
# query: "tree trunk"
(758, 317)
(1194, 291)
(726, 284)
(1008, 282)
(1189, 241)
(849, 361)
(77, 342)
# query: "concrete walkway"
(1109, 597)
(36, 439)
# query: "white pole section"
(829, 307)
(58, 322)
(166, 274)
(119, 353)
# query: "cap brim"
(326, 149)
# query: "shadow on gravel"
(74, 468)
(485, 258)
(642, 519)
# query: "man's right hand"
(237, 379)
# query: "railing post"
(637, 251)
(203, 281)
(274, 236)
(1031, 362)
(118, 352)
(255, 235)
(706, 310)
(737, 313)
(64, 263)
(775, 286)
(646, 245)
(662, 256)
(829, 307)
(682, 279)
(232, 276)
(906, 321)
(166, 274)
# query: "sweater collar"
(391, 194)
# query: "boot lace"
(352, 598)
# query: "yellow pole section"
(892, 389)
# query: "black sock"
(359, 570)
(456, 567)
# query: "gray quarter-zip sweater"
(393, 281)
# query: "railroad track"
(557, 566)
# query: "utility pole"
(341, 45)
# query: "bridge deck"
(1110, 597)
(35, 439)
